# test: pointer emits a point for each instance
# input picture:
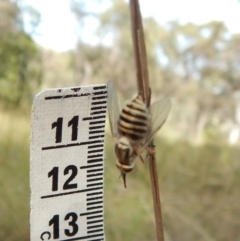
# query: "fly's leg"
(141, 158)
(138, 153)
(150, 149)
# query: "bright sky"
(57, 30)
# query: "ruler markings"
(92, 213)
(99, 87)
(96, 240)
(96, 122)
(94, 193)
(99, 107)
(95, 226)
(96, 207)
(75, 95)
(94, 217)
(93, 156)
(95, 184)
(103, 107)
(94, 180)
(94, 198)
(95, 146)
(95, 127)
(95, 170)
(99, 97)
(90, 166)
(96, 132)
(100, 93)
(93, 117)
(92, 221)
(95, 221)
(95, 231)
(98, 112)
(66, 96)
(71, 145)
(93, 203)
(100, 135)
(97, 150)
(83, 237)
(69, 193)
(99, 102)
(94, 161)
(96, 137)
(95, 174)
(92, 184)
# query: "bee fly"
(134, 127)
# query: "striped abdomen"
(134, 120)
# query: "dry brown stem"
(143, 89)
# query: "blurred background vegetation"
(198, 150)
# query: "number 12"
(54, 173)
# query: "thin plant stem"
(144, 90)
(155, 192)
(139, 51)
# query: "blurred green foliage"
(14, 177)
(199, 190)
(20, 59)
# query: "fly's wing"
(113, 109)
(159, 113)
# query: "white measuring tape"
(67, 161)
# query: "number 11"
(58, 125)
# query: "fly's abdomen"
(134, 120)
